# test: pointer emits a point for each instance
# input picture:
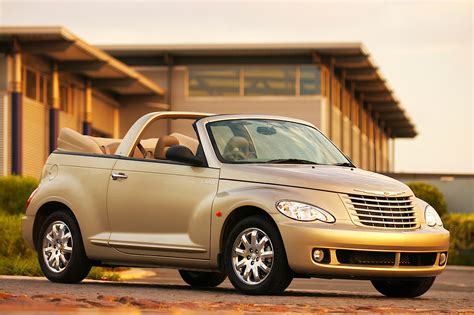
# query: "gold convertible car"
(256, 198)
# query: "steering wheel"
(235, 156)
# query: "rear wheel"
(255, 258)
(60, 250)
(404, 288)
(202, 279)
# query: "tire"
(243, 261)
(202, 279)
(75, 265)
(404, 288)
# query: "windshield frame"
(220, 158)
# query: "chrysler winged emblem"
(381, 193)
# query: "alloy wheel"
(57, 246)
(252, 256)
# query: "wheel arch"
(235, 216)
(44, 211)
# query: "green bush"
(17, 258)
(14, 192)
(431, 195)
(461, 247)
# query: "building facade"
(337, 87)
(51, 79)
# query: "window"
(31, 88)
(214, 81)
(254, 80)
(269, 80)
(36, 85)
(64, 98)
(271, 141)
(310, 80)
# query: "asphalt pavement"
(165, 292)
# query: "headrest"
(163, 144)
(189, 142)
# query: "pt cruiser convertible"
(260, 199)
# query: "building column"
(87, 122)
(17, 112)
(54, 110)
(331, 78)
(361, 144)
(168, 59)
(343, 103)
(351, 109)
(375, 124)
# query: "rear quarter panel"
(80, 182)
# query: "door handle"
(116, 176)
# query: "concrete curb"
(135, 273)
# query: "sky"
(424, 49)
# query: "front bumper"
(300, 239)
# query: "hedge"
(14, 192)
(461, 228)
(17, 258)
(431, 195)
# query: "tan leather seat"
(189, 142)
(163, 144)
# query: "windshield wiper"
(291, 161)
(344, 164)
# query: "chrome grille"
(382, 211)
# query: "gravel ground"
(165, 292)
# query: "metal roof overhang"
(73, 55)
(350, 58)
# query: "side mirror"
(180, 153)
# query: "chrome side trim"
(167, 248)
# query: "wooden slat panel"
(35, 120)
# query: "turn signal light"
(31, 197)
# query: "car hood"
(321, 177)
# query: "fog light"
(442, 259)
(318, 255)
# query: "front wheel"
(255, 258)
(404, 288)
(61, 253)
(202, 279)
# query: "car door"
(161, 208)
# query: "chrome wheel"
(252, 256)
(57, 246)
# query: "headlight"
(431, 217)
(303, 212)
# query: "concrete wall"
(457, 189)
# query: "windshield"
(272, 141)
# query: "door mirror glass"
(180, 153)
